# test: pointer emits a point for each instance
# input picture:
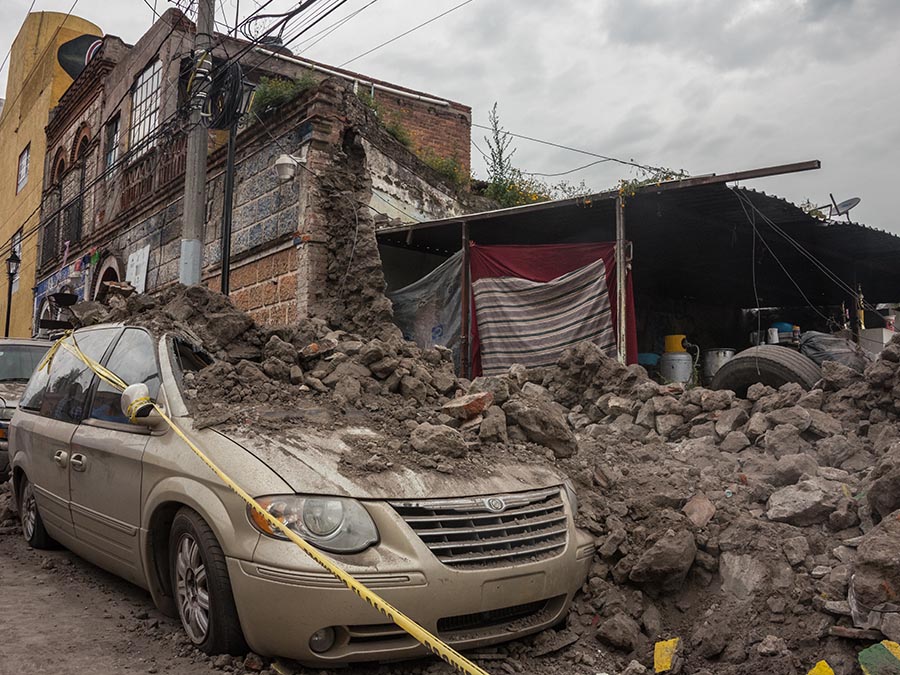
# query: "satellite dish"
(843, 209)
(847, 204)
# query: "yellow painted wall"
(35, 84)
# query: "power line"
(38, 59)
(310, 24)
(834, 278)
(9, 51)
(829, 274)
(645, 167)
(411, 30)
(565, 173)
(784, 269)
(152, 9)
(333, 27)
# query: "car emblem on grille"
(495, 504)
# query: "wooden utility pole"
(195, 160)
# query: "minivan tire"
(771, 365)
(199, 570)
(30, 518)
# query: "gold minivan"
(475, 560)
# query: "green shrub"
(449, 167)
(274, 92)
(391, 123)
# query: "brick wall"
(444, 131)
(266, 287)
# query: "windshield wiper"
(14, 379)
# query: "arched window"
(109, 270)
(82, 141)
(59, 167)
(46, 311)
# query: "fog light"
(322, 640)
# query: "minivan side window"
(134, 360)
(34, 392)
(70, 378)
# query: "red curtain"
(543, 263)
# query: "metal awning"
(694, 239)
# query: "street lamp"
(12, 269)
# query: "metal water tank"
(676, 367)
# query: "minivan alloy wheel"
(29, 512)
(191, 589)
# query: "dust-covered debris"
(761, 531)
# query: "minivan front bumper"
(283, 598)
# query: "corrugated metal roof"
(696, 243)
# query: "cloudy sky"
(700, 85)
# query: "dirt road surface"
(59, 614)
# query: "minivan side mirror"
(136, 401)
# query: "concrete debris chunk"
(438, 439)
(666, 563)
(699, 510)
(805, 503)
(469, 406)
(542, 422)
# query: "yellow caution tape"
(431, 642)
(135, 407)
(664, 654)
(892, 647)
(821, 668)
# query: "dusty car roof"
(25, 341)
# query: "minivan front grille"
(490, 618)
(490, 531)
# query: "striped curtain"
(531, 323)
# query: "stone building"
(113, 201)
(47, 52)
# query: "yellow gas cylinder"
(675, 343)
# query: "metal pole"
(9, 285)
(195, 159)
(464, 305)
(621, 297)
(227, 208)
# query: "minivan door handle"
(78, 462)
(61, 457)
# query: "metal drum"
(713, 359)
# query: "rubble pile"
(764, 532)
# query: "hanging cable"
(411, 30)
(9, 104)
(645, 167)
(9, 51)
(829, 274)
(565, 173)
(332, 28)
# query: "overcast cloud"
(705, 86)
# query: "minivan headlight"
(334, 524)
(6, 414)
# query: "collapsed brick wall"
(350, 289)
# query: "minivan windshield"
(17, 362)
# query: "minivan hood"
(11, 392)
(324, 462)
